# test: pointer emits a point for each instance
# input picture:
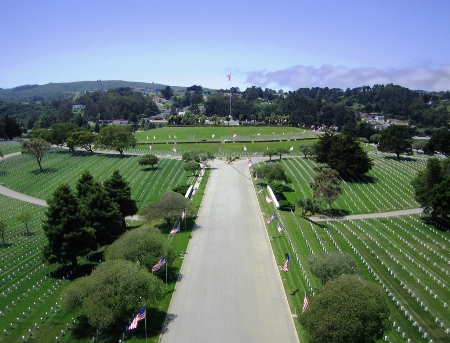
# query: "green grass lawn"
(9, 147)
(395, 252)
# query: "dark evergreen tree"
(342, 153)
(439, 142)
(66, 229)
(119, 191)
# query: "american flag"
(305, 303)
(183, 215)
(251, 171)
(158, 265)
(268, 199)
(271, 218)
(256, 176)
(140, 316)
(260, 191)
(279, 228)
(229, 77)
(285, 267)
(175, 230)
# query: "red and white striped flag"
(159, 264)
(285, 267)
(175, 230)
(140, 316)
(268, 199)
(305, 303)
(271, 218)
(229, 77)
(183, 215)
(279, 228)
(260, 191)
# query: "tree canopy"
(148, 160)
(348, 309)
(192, 166)
(326, 186)
(272, 172)
(116, 138)
(169, 207)
(342, 153)
(37, 148)
(67, 232)
(396, 139)
(432, 188)
(331, 265)
(115, 289)
(142, 246)
(119, 191)
(439, 142)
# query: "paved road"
(370, 215)
(231, 288)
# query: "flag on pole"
(229, 77)
(256, 176)
(260, 191)
(183, 215)
(271, 218)
(175, 230)
(268, 199)
(251, 171)
(285, 267)
(140, 316)
(279, 228)
(305, 303)
(159, 264)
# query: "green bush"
(286, 205)
(182, 189)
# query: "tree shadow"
(402, 158)
(44, 171)
(438, 223)
(150, 169)
(3, 173)
(360, 179)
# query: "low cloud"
(421, 77)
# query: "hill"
(71, 90)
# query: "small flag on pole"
(271, 218)
(305, 303)
(251, 171)
(260, 191)
(285, 267)
(229, 77)
(279, 228)
(140, 316)
(175, 230)
(183, 215)
(268, 199)
(159, 264)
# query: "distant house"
(114, 122)
(78, 107)
(379, 118)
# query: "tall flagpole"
(229, 79)
(145, 324)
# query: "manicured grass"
(40, 288)
(197, 134)
(21, 173)
(9, 147)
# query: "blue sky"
(276, 44)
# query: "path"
(231, 289)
